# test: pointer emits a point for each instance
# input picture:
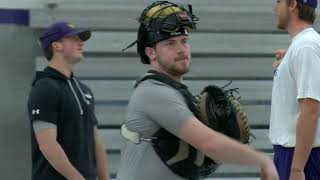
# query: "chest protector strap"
(183, 159)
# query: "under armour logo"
(35, 111)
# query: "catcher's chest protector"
(183, 159)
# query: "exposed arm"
(101, 159)
(306, 131)
(305, 70)
(54, 153)
(223, 149)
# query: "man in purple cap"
(295, 107)
(65, 142)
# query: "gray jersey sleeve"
(39, 125)
(165, 106)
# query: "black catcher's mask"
(160, 21)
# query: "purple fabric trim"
(14, 16)
(283, 159)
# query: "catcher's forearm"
(224, 149)
(219, 147)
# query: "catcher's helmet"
(162, 20)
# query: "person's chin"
(281, 26)
(80, 56)
(78, 59)
(185, 69)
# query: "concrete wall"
(24, 4)
(18, 49)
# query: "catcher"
(167, 137)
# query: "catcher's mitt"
(220, 110)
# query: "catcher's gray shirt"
(151, 106)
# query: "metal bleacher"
(235, 41)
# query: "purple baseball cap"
(60, 30)
(311, 3)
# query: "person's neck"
(176, 78)
(62, 66)
(295, 27)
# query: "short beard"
(283, 24)
(173, 70)
(282, 27)
(176, 72)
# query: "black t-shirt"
(69, 105)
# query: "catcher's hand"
(220, 110)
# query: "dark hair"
(48, 52)
(305, 12)
(141, 44)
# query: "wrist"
(297, 166)
(296, 170)
(102, 178)
(75, 175)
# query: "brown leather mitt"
(221, 111)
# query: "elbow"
(46, 140)
(47, 147)
(310, 117)
(315, 116)
(43, 147)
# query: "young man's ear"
(293, 5)
(56, 45)
(150, 52)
